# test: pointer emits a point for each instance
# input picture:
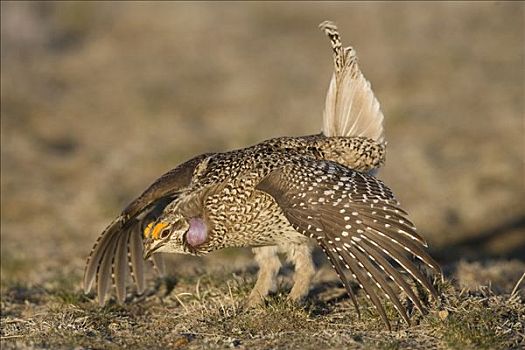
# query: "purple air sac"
(197, 233)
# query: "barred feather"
(118, 250)
(356, 220)
(96, 255)
(120, 266)
(104, 270)
(136, 264)
(351, 108)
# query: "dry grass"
(207, 310)
(98, 99)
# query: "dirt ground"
(98, 99)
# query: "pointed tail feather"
(351, 108)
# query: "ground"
(98, 99)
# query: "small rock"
(443, 314)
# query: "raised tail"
(351, 109)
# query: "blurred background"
(99, 99)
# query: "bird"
(283, 195)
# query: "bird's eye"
(165, 233)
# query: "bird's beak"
(150, 246)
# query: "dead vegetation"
(207, 311)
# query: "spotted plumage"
(281, 195)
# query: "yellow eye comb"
(153, 230)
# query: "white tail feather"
(351, 108)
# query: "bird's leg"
(269, 265)
(301, 256)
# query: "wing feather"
(120, 265)
(378, 277)
(96, 255)
(391, 272)
(135, 249)
(119, 247)
(358, 223)
(340, 272)
(370, 270)
(393, 251)
(365, 282)
(104, 271)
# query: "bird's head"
(175, 234)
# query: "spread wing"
(118, 250)
(358, 223)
